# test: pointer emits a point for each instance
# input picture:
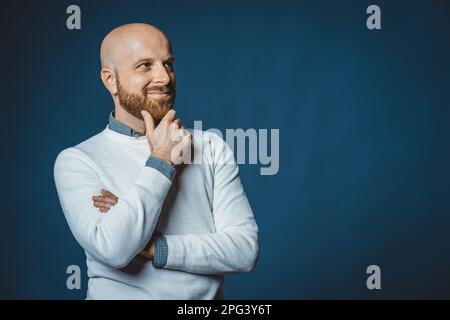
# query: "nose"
(161, 76)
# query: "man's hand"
(167, 141)
(105, 202)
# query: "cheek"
(138, 84)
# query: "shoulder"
(80, 153)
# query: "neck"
(131, 121)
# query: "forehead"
(146, 45)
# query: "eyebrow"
(151, 60)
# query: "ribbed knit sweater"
(203, 214)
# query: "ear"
(109, 80)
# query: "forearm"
(118, 236)
(234, 250)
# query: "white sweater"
(204, 214)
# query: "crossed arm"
(113, 230)
(105, 201)
(233, 248)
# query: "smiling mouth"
(160, 93)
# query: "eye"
(144, 65)
(169, 65)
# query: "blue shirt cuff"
(162, 166)
(161, 252)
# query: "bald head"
(130, 39)
(138, 70)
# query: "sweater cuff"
(162, 166)
(161, 252)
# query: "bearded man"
(153, 225)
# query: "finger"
(107, 193)
(108, 199)
(177, 122)
(187, 138)
(186, 132)
(99, 204)
(103, 204)
(105, 198)
(168, 118)
(175, 133)
(180, 149)
(183, 133)
(174, 126)
(185, 143)
(102, 208)
(148, 121)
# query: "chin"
(158, 111)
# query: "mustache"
(159, 89)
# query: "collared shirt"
(161, 249)
(120, 127)
(153, 162)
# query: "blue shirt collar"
(120, 127)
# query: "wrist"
(152, 249)
(149, 250)
(163, 158)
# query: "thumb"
(149, 122)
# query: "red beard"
(135, 103)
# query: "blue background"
(363, 118)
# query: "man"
(153, 226)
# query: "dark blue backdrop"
(364, 158)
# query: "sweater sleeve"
(234, 246)
(113, 239)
